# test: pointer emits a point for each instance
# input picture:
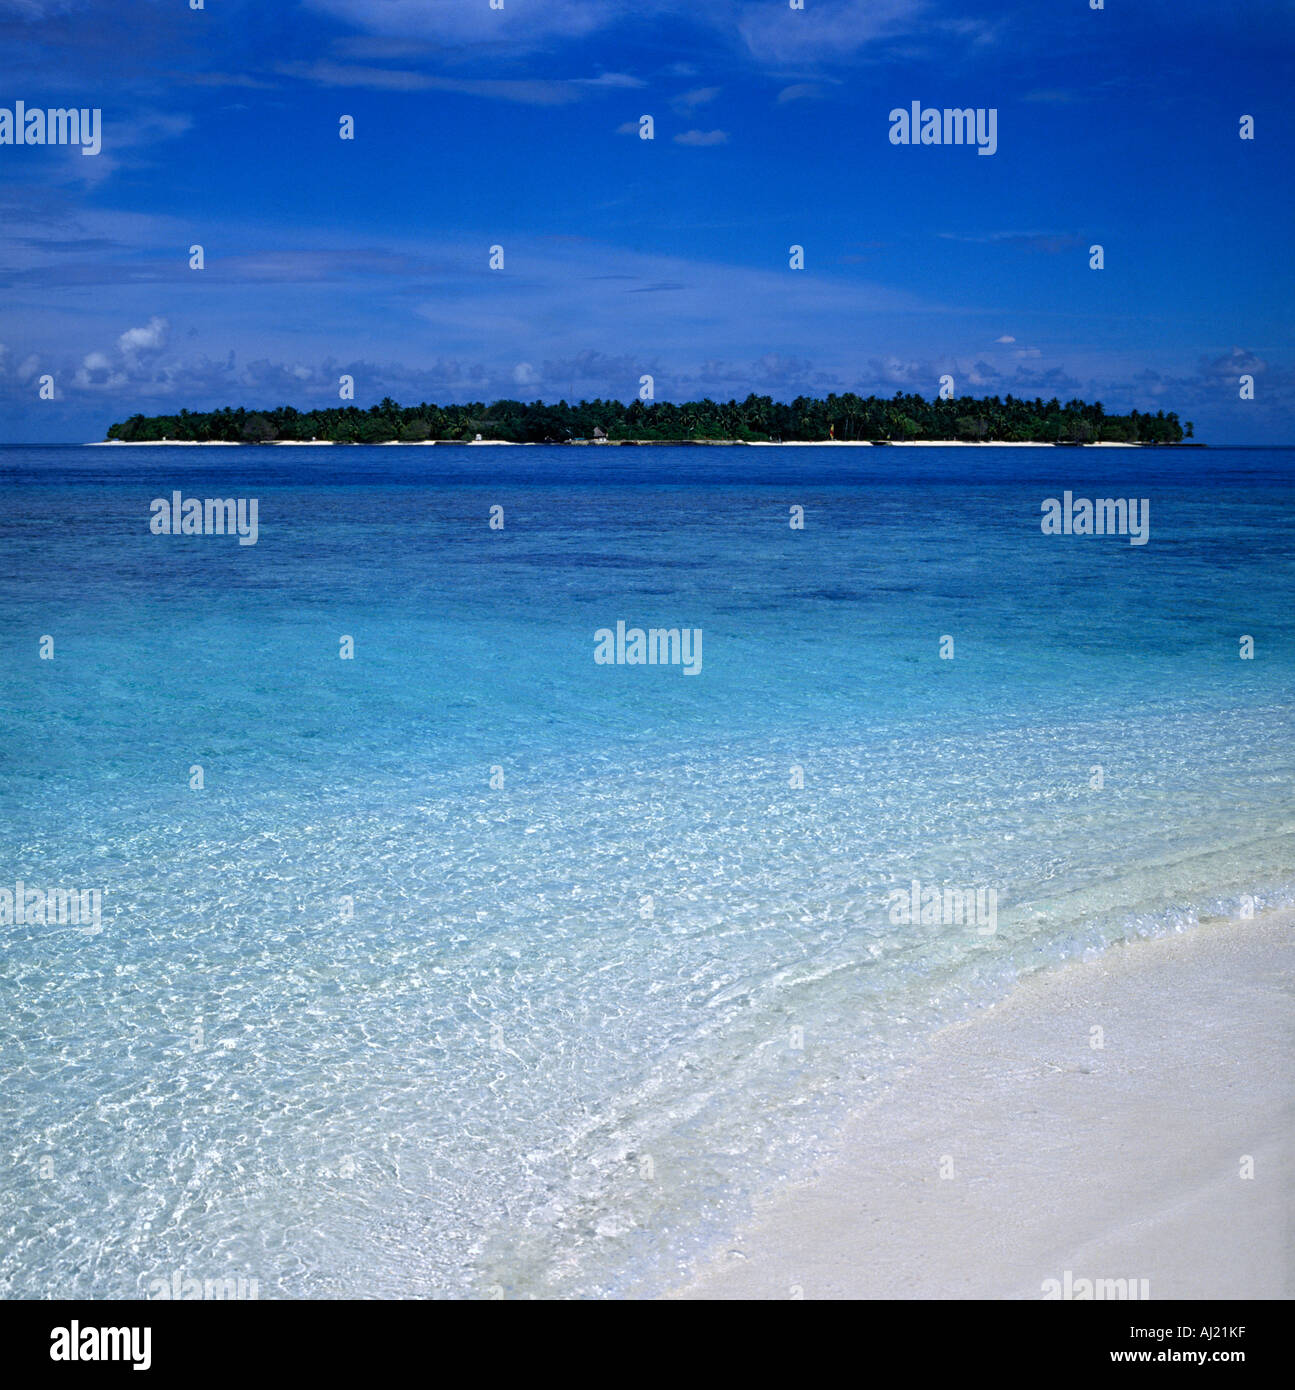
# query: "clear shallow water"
(500, 1074)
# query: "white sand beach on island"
(603, 443)
(1122, 1162)
(1006, 444)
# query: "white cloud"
(36, 9)
(96, 371)
(702, 137)
(610, 79)
(539, 91)
(150, 338)
(699, 96)
(824, 30)
(525, 22)
(799, 91)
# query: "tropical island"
(843, 419)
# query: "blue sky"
(519, 127)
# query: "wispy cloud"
(699, 96)
(1045, 243)
(826, 30)
(520, 25)
(531, 91)
(802, 91)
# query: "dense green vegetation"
(844, 417)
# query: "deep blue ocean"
(357, 1022)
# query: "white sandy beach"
(1004, 444)
(604, 443)
(932, 444)
(1122, 1162)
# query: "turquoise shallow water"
(497, 1067)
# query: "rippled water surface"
(357, 1022)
